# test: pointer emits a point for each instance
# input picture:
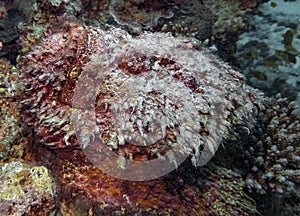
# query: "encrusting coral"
(26, 189)
(10, 127)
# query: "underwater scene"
(144, 108)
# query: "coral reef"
(183, 22)
(276, 157)
(267, 157)
(25, 189)
(218, 18)
(91, 12)
(229, 15)
(137, 14)
(227, 190)
(38, 16)
(219, 22)
(231, 19)
(10, 126)
(91, 89)
(278, 154)
(177, 17)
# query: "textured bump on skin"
(195, 96)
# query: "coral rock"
(9, 115)
(25, 189)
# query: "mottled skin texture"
(70, 51)
(47, 78)
(182, 87)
